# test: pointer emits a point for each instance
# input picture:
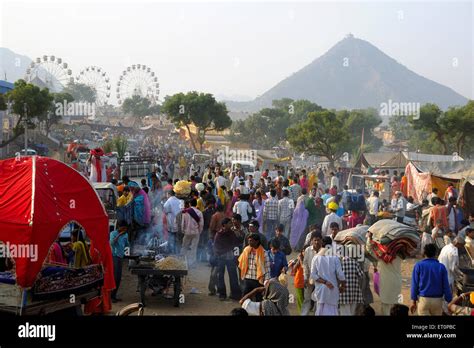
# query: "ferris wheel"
(97, 79)
(138, 79)
(50, 72)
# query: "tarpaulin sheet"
(38, 197)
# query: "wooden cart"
(147, 274)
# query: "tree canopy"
(139, 107)
(198, 109)
(267, 128)
(81, 92)
(37, 101)
(438, 131)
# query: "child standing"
(278, 263)
(296, 269)
(119, 244)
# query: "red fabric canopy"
(39, 196)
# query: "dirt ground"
(200, 303)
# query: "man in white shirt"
(400, 206)
(236, 181)
(373, 207)
(449, 257)
(172, 208)
(220, 180)
(433, 194)
(309, 253)
(286, 206)
(243, 208)
(326, 272)
(332, 217)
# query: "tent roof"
(401, 159)
(457, 170)
(374, 159)
(38, 197)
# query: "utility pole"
(26, 128)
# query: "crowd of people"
(248, 227)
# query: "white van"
(248, 167)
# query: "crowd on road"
(266, 231)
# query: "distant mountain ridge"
(12, 65)
(355, 74)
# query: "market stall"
(39, 196)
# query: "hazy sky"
(239, 48)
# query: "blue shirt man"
(277, 259)
(429, 284)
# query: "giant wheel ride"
(138, 79)
(50, 72)
(97, 79)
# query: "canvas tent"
(39, 196)
(402, 158)
(422, 177)
(374, 159)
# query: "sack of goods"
(182, 188)
(391, 239)
(356, 235)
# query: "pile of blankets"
(391, 239)
(356, 235)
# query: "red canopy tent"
(39, 196)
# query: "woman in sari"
(56, 254)
(258, 204)
(298, 222)
(102, 303)
(81, 252)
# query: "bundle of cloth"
(356, 235)
(391, 239)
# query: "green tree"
(401, 127)
(37, 101)
(108, 146)
(198, 109)
(81, 92)
(120, 144)
(358, 121)
(267, 128)
(445, 132)
(430, 121)
(139, 107)
(323, 133)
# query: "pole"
(26, 129)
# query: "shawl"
(260, 260)
(275, 299)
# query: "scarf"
(97, 153)
(275, 299)
(193, 214)
(259, 259)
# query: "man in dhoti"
(326, 272)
